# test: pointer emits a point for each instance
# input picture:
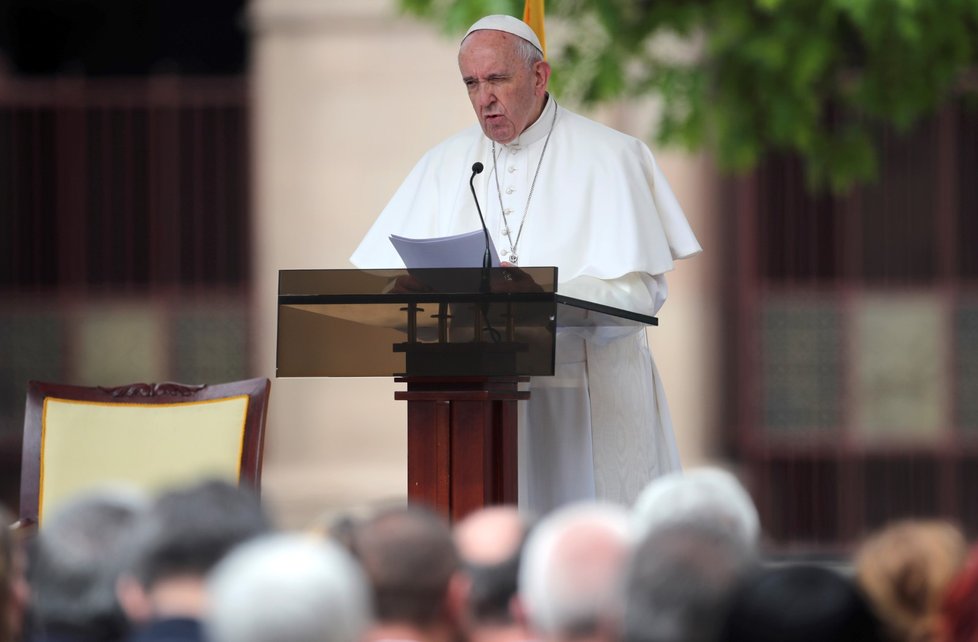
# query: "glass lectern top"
(428, 322)
(384, 285)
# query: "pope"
(559, 190)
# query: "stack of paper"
(460, 250)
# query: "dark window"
(859, 346)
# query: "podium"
(463, 340)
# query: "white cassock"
(602, 212)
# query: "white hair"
(571, 577)
(706, 495)
(288, 588)
(528, 53)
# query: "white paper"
(459, 250)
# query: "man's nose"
(485, 95)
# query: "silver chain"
(512, 246)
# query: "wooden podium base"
(461, 442)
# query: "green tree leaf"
(768, 76)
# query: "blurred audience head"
(411, 564)
(799, 603)
(490, 544)
(571, 577)
(75, 562)
(681, 579)
(288, 588)
(904, 569)
(959, 613)
(706, 495)
(185, 533)
(13, 583)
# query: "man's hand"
(409, 284)
(509, 278)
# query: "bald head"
(490, 543)
(572, 572)
(491, 535)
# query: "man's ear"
(517, 609)
(541, 71)
(457, 596)
(133, 599)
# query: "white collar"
(539, 129)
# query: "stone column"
(346, 97)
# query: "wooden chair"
(147, 435)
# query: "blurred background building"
(161, 160)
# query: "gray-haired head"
(288, 588)
(571, 576)
(680, 580)
(76, 561)
(707, 495)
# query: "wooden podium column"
(461, 441)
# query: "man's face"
(506, 94)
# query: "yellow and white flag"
(533, 16)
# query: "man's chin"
(499, 135)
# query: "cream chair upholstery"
(148, 435)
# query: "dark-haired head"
(800, 603)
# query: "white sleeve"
(635, 291)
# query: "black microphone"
(477, 168)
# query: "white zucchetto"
(509, 24)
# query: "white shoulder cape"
(601, 208)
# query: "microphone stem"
(486, 258)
